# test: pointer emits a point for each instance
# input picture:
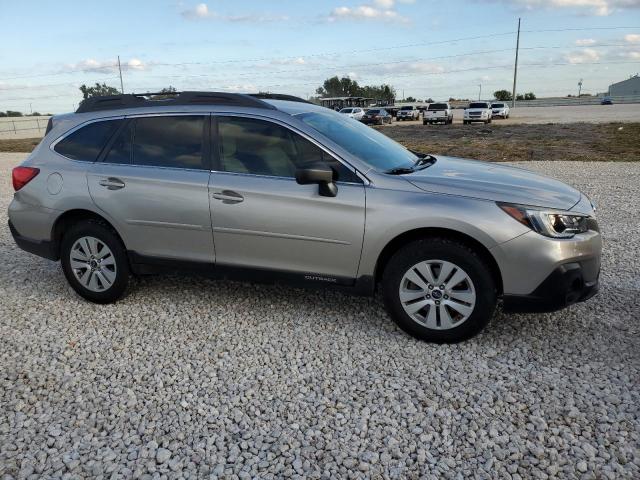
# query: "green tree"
(502, 95)
(339, 87)
(410, 99)
(529, 96)
(98, 90)
(346, 87)
(167, 92)
(519, 97)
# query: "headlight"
(550, 223)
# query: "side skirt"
(148, 265)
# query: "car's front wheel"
(439, 290)
(95, 262)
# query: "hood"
(476, 109)
(492, 181)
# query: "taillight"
(23, 175)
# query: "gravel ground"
(189, 377)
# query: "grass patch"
(19, 145)
(523, 142)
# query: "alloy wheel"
(437, 294)
(93, 264)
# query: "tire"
(465, 122)
(451, 325)
(424, 122)
(111, 277)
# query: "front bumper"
(476, 119)
(566, 285)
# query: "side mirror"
(322, 175)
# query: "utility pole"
(515, 67)
(480, 91)
(579, 88)
(30, 108)
(120, 70)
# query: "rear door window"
(120, 151)
(87, 142)
(170, 141)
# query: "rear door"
(262, 218)
(152, 182)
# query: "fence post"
(38, 123)
(14, 126)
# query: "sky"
(424, 48)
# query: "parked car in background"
(376, 116)
(477, 112)
(353, 112)
(438, 113)
(292, 192)
(499, 109)
(408, 113)
(606, 101)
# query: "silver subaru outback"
(270, 187)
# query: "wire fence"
(19, 127)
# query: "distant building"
(631, 86)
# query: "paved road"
(569, 114)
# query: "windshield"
(497, 105)
(346, 110)
(478, 105)
(406, 108)
(369, 145)
(373, 112)
(438, 106)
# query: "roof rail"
(135, 100)
(278, 96)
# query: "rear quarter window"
(86, 143)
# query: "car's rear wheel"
(95, 262)
(439, 290)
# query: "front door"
(153, 184)
(262, 218)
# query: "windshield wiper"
(425, 161)
(400, 170)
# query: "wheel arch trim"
(409, 236)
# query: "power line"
(313, 55)
(219, 62)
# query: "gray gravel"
(192, 377)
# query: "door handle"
(228, 196)
(112, 183)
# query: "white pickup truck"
(408, 112)
(477, 112)
(438, 113)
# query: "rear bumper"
(37, 247)
(566, 285)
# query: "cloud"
(587, 55)
(585, 42)
(91, 65)
(247, 87)
(201, 12)
(380, 10)
(593, 7)
(632, 38)
(289, 61)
